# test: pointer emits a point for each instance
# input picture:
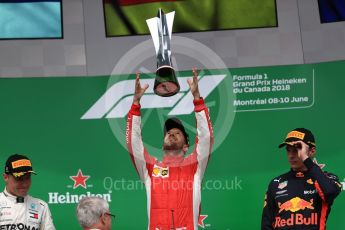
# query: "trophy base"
(166, 89)
(166, 84)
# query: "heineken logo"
(201, 221)
(79, 180)
(69, 198)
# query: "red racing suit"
(300, 200)
(173, 186)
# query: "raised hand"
(302, 149)
(138, 90)
(193, 84)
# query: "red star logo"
(79, 179)
(201, 220)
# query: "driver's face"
(292, 154)
(18, 186)
(174, 140)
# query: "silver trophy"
(160, 27)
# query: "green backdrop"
(42, 118)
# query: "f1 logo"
(116, 101)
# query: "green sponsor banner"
(73, 130)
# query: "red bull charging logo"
(295, 204)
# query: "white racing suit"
(32, 214)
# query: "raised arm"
(138, 90)
(204, 139)
(136, 149)
(326, 184)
